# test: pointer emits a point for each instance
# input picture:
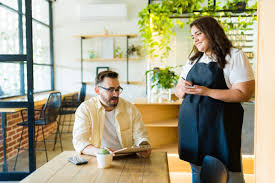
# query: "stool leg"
(70, 121)
(55, 136)
(57, 132)
(18, 149)
(45, 148)
(62, 122)
(60, 140)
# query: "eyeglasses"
(112, 90)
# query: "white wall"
(67, 47)
(265, 95)
(67, 25)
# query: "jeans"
(233, 177)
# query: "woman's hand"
(240, 92)
(181, 87)
(197, 90)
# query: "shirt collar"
(209, 58)
(99, 105)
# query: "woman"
(213, 83)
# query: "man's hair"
(105, 74)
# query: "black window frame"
(21, 47)
(27, 59)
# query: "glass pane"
(12, 141)
(9, 42)
(42, 78)
(9, 79)
(10, 3)
(41, 44)
(40, 10)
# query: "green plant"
(103, 151)
(163, 78)
(243, 22)
(118, 52)
(91, 54)
(156, 26)
(225, 14)
(135, 49)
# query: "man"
(107, 120)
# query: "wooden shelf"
(107, 35)
(244, 46)
(240, 34)
(164, 123)
(109, 59)
(144, 101)
(242, 40)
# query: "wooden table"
(129, 169)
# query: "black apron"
(208, 126)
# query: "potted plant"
(104, 158)
(135, 50)
(163, 79)
(91, 54)
(118, 53)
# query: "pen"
(191, 86)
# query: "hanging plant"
(156, 26)
(230, 9)
(243, 22)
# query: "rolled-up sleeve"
(139, 131)
(82, 129)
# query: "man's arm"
(90, 150)
(82, 131)
(140, 134)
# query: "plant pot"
(104, 160)
(239, 7)
(164, 95)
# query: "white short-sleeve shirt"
(237, 69)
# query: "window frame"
(21, 15)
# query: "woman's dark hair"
(105, 74)
(219, 44)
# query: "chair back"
(213, 171)
(82, 93)
(52, 107)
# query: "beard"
(112, 102)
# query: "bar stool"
(48, 114)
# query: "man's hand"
(144, 154)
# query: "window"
(13, 41)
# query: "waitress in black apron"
(213, 83)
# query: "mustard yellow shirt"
(89, 124)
